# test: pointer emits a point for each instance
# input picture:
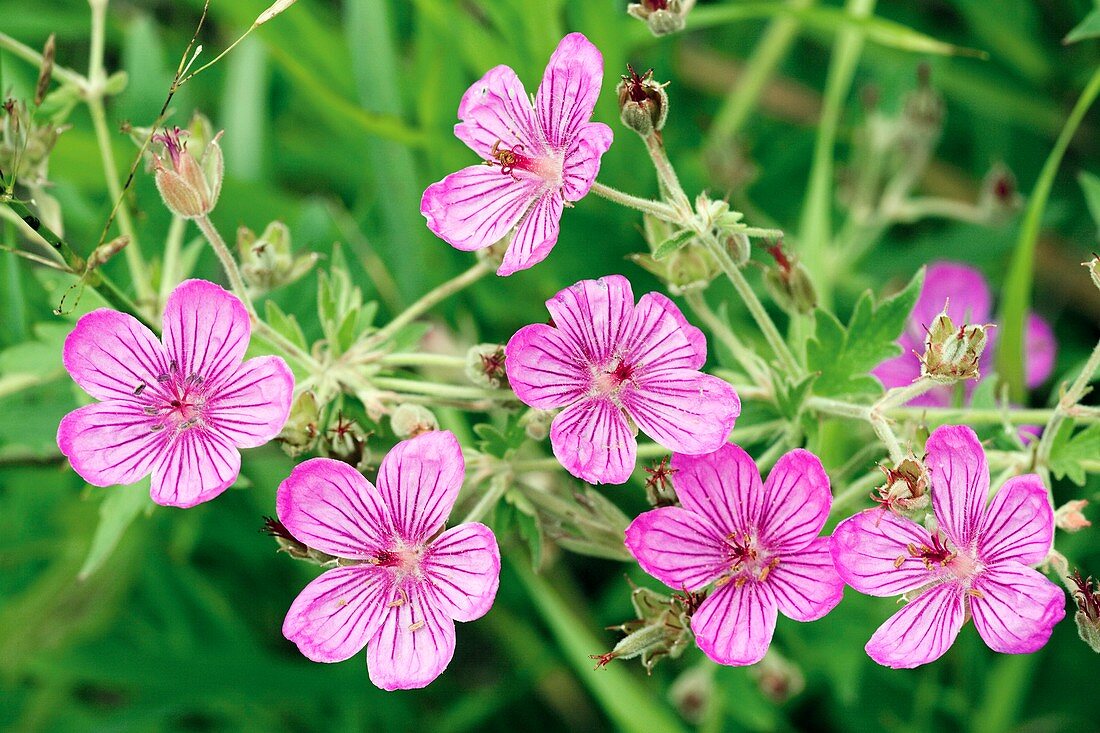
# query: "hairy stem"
(658, 209)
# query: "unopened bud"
(688, 269)
(779, 678)
(190, 186)
(45, 70)
(300, 431)
(346, 441)
(106, 251)
(485, 365)
(658, 486)
(536, 423)
(409, 421)
(662, 628)
(662, 16)
(643, 103)
(267, 262)
(906, 487)
(789, 282)
(999, 196)
(1093, 266)
(692, 694)
(1088, 610)
(952, 354)
(290, 545)
(1070, 518)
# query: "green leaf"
(789, 397)
(1069, 450)
(1090, 184)
(531, 533)
(844, 356)
(1087, 28)
(500, 442)
(118, 510)
(672, 244)
(286, 325)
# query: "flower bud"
(267, 262)
(1069, 516)
(409, 421)
(789, 282)
(689, 268)
(906, 487)
(485, 365)
(922, 116)
(643, 103)
(1093, 266)
(346, 441)
(291, 546)
(189, 186)
(662, 628)
(1088, 610)
(536, 423)
(999, 196)
(658, 486)
(693, 693)
(104, 252)
(25, 145)
(952, 354)
(300, 432)
(662, 16)
(779, 679)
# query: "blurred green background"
(337, 115)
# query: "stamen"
(139, 389)
(975, 592)
(899, 561)
(416, 625)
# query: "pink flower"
(178, 408)
(975, 564)
(539, 159)
(401, 581)
(758, 544)
(613, 365)
(966, 294)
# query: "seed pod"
(952, 354)
(643, 103)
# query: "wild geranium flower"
(757, 543)
(401, 581)
(965, 293)
(537, 159)
(179, 408)
(612, 366)
(975, 564)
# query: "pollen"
(416, 625)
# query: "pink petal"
(678, 547)
(805, 583)
(593, 442)
(659, 337)
(735, 624)
(206, 330)
(545, 369)
(252, 405)
(536, 235)
(197, 465)
(594, 314)
(1019, 524)
(960, 481)
(796, 502)
(866, 548)
(922, 631)
(462, 570)
(329, 506)
(412, 647)
(569, 89)
(962, 285)
(419, 480)
(110, 442)
(723, 486)
(111, 354)
(334, 616)
(1017, 609)
(1040, 349)
(476, 206)
(683, 410)
(496, 109)
(582, 159)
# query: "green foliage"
(843, 355)
(1070, 448)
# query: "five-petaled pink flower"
(757, 543)
(539, 159)
(613, 365)
(178, 408)
(965, 293)
(974, 565)
(401, 581)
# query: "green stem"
(397, 384)
(646, 451)
(498, 487)
(169, 268)
(430, 360)
(748, 359)
(658, 209)
(1069, 400)
(1016, 293)
(28, 54)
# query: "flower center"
(546, 167)
(609, 379)
(747, 559)
(404, 560)
(939, 556)
(175, 403)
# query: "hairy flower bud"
(346, 441)
(536, 423)
(189, 186)
(906, 487)
(789, 282)
(662, 628)
(922, 116)
(692, 694)
(1070, 518)
(658, 486)
(999, 196)
(779, 678)
(409, 421)
(267, 262)
(1093, 266)
(300, 431)
(689, 268)
(1088, 610)
(485, 365)
(662, 16)
(951, 354)
(291, 546)
(643, 103)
